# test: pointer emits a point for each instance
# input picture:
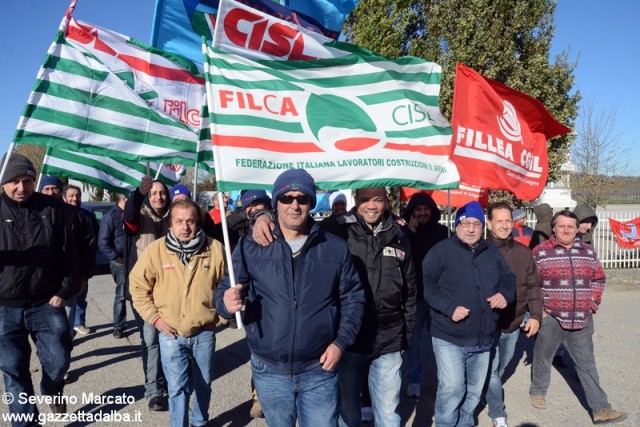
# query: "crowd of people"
(332, 309)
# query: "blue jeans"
(579, 344)
(384, 387)
(414, 352)
(502, 353)
(154, 380)
(118, 273)
(81, 307)
(188, 366)
(461, 377)
(49, 330)
(311, 397)
(70, 310)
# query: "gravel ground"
(107, 373)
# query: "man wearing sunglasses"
(304, 304)
(466, 280)
(383, 258)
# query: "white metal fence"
(611, 255)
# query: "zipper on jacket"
(476, 274)
(294, 307)
(573, 279)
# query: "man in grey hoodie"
(588, 221)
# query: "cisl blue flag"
(330, 14)
(179, 25)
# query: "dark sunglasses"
(303, 199)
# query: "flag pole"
(448, 212)
(195, 180)
(218, 170)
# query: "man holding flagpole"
(304, 305)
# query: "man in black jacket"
(239, 223)
(72, 195)
(86, 242)
(466, 280)
(424, 231)
(111, 240)
(37, 276)
(382, 255)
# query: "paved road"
(107, 373)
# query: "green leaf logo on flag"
(321, 116)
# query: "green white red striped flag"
(353, 122)
(103, 93)
(120, 176)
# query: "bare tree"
(597, 155)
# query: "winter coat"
(522, 233)
(83, 226)
(162, 286)
(238, 225)
(528, 293)
(426, 235)
(296, 307)
(38, 258)
(455, 275)
(111, 238)
(142, 225)
(385, 265)
(572, 281)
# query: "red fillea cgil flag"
(500, 136)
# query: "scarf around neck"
(185, 250)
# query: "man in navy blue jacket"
(304, 306)
(111, 240)
(466, 280)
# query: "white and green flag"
(105, 94)
(356, 121)
(120, 176)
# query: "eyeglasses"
(467, 224)
(303, 199)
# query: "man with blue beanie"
(465, 281)
(180, 192)
(304, 304)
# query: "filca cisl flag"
(357, 121)
(500, 135)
